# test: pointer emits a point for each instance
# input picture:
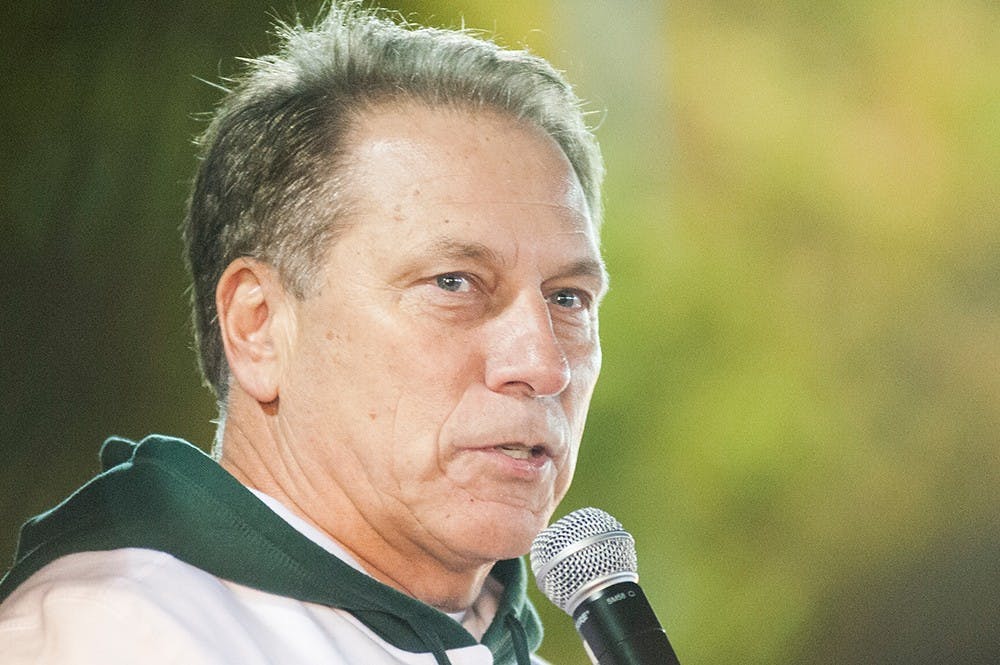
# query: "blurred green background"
(800, 406)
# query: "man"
(393, 239)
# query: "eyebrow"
(458, 249)
(589, 268)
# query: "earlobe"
(249, 300)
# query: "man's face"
(439, 380)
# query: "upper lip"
(524, 428)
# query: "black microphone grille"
(581, 553)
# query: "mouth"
(531, 461)
(520, 451)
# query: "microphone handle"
(619, 627)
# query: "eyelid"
(586, 298)
(473, 281)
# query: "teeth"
(517, 452)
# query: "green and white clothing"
(166, 558)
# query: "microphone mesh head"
(580, 553)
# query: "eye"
(570, 299)
(453, 282)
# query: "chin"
(502, 532)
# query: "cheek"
(431, 373)
(576, 400)
(565, 477)
(428, 403)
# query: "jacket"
(165, 511)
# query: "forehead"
(413, 152)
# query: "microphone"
(585, 563)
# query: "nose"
(523, 353)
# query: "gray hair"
(269, 184)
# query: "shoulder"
(129, 606)
(119, 578)
(79, 608)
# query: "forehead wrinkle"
(508, 201)
(568, 188)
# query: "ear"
(255, 322)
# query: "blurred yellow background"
(799, 415)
